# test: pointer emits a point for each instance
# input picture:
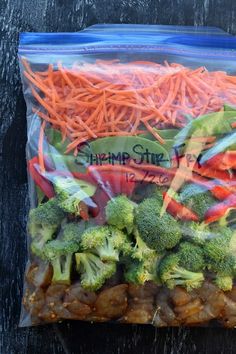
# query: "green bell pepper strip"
(211, 124)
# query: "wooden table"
(73, 15)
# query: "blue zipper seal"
(86, 42)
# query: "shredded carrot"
(110, 98)
(40, 147)
(155, 134)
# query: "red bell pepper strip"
(207, 171)
(153, 168)
(171, 173)
(220, 210)
(101, 199)
(92, 206)
(84, 210)
(112, 179)
(223, 161)
(121, 169)
(178, 210)
(221, 192)
(41, 181)
(212, 168)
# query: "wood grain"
(61, 15)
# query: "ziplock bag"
(131, 163)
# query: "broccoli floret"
(224, 282)
(142, 265)
(93, 271)
(150, 190)
(220, 245)
(196, 233)
(43, 223)
(136, 273)
(45, 219)
(73, 231)
(158, 232)
(226, 266)
(197, 198)
(59, 253)
(191, 256)
(106, 241)
(141, 251)
(71, 192)
(151, 265)
(120, 213)
(172, 274)
(225, 271)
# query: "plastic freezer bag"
(131, 163)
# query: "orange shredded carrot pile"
(110, 98)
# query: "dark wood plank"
(62, 15)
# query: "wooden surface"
(72, 15)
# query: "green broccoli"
(120, 213)
(197, 198)
(224, 282)
(136, 273)
(73, 231)
(151, 190)
(226, 266)
(93, 271)
(43, 224)
(220, 245)
(106, 241)
(142, 265)
(191, 256)
(151, 265)
(71, 192)
(59, 253)
(172, 274)
(140, 250)
(158, 232)
(225, 270)
(196, 233)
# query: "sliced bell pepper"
(223, 161)
(221, 192)
(220, 210)
(84, 210)
(101, 199)
(173, 172)
(112, 180)
(40, 181)
(207, 171)
(178, 210)
(92, 206)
